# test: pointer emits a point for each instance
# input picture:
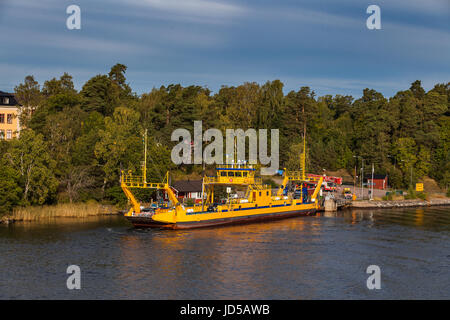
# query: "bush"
(389, 196)
(115, 195)
(448, 192)
(10, 191)
(411, 194)
(422, 195)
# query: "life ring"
(231, 180)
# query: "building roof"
(188, 186)
(12, 99)
(376, 176)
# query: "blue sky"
(321, 44)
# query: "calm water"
(323, 257)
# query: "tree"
(120, 144)
(241, 106)
(75, 180)
(371, 126)
(404, 150)
(83, 149)
(80, 141)
(10, 191)
(29, 157)
(117, 76)
(61, 131)
(63, 85)
(29, 97)
(54, 106)
(423, 164)
(269, 111)
(98, 95)
(417, 90)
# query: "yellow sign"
(419, 186)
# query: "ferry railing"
(294, 175)
(235, 180)
(298, 175)
(235, 166)
(138, 182)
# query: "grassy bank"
(66, 210)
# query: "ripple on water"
(301, 258)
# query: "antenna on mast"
(303, 154)
(144, 165)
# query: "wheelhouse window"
(238, 174)
(244, 174)
(223, 174)
(230, 173)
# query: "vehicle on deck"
(347, 193)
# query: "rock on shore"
(5, 220)
(399, 203)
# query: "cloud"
(26, 4)
(192, 8)
(321, 85)
(433, 7)
(75, 42)
(14, 74)
(162, 36)
(306, 16)
(225, 42)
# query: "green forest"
(76, 142)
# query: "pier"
(335, 204)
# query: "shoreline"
(389, 204)
(72, 211)
(363, 204)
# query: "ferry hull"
(148, 222)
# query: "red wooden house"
(188, 189)
(380, 181)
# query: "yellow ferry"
(259, 203)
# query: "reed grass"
(67, 210)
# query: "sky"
(321, 44)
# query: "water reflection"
(228, 258)
(301, 258)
